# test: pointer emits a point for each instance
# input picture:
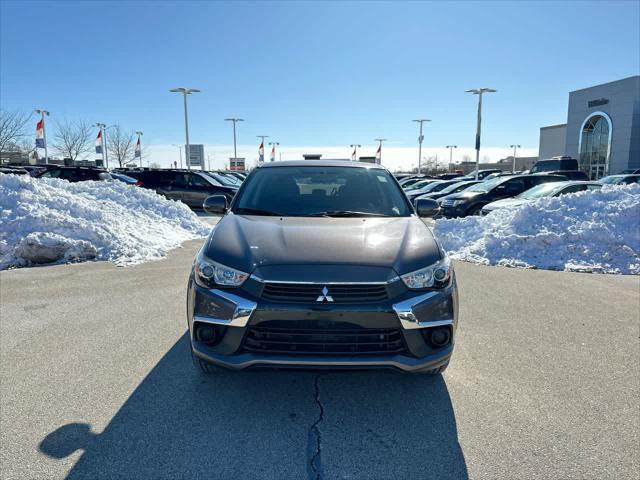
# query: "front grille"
(447, 203)
(324, 341)
(306, 293)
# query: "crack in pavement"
(314, 438)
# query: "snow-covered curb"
(54, 221)
(588, 232)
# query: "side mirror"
(215, 204)
(427, 207)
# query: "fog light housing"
(210, 335)
(437, 337)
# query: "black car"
(190, 187)
(75, 174)
(482, 174)
(471, 200)
(13, 170)
(321, 264)
(555, 164)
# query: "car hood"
(506, 202)
(248, 242)
(463, 195)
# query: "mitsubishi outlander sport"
(319, 264)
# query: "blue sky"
(315, 75)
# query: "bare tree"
(12, 130)
(72, 139)
(121, 144)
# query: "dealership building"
(602, 129)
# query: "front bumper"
(238, 310)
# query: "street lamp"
(380, 147)
(451, 147)
(185, 92)
(515, 148)
(479, 92)
(234, 120)
(180, 150)
(420, 139)
(354, 155)
(44, 135)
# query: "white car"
(553, 189)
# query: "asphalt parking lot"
(97, 383)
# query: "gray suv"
(319, 264)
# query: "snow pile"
(54, 221)
(594, 231)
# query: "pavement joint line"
(314, 442)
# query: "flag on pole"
(137, 152)
(353, 155)
(379, 154)
(99, 142)
(273, 153)
(40, 134)
(261, 152)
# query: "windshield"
(487, 186)
(330, 191)
(221, 179)
(433, 186)
(611, 179)
(418, 185)
(457, 187)
(539, 191)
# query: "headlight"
(436, 276)
(458, 202)
(209, 274)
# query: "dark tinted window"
(198, 181)
(301, 191)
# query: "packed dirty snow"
(594, 231)
(53, 221)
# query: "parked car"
(433, 187)
(630, 171)
(310, 267)
(498, 174)
(223, 180)
(423, 182)
(407, 182)
(620, 179)
(76, 174)
(451, 188)
(555, 164)
(552, 189)
(190, 187)
(471, 200)
(239, 175)
(449, 176)
(482, 174)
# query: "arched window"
(595, 145)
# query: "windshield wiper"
(344, 213)
(257, 211)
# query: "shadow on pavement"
(263, 424)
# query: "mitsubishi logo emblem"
(324, 295)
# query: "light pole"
(420, 139)
(451, 147)
(261, 152)
(515, 148)
(234, 120)
(380, 148)
(185, 92)
(273, 150)
(479, 92)
(354, 155)
(138, 152)
(180, 150)
(44, 134)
